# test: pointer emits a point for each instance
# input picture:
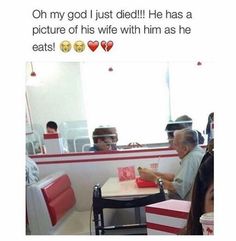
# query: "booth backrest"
(59, 197)
(48, 201)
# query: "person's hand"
(147, 174)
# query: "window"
(134, 97)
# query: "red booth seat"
(59, 197)
(51, 207)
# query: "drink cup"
(154, 166)
(207, 221)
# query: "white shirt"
(187, 171)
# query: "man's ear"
(186, 149)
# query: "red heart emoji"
(93, 45)
(107, 45)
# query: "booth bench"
(51, 208)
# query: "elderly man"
(179, 185)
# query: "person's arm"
(168, 185)
(149, 175)
(167, 176)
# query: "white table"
(113, 188)
(122, 190)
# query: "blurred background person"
(210, 127)
(31, 172)
(31, 177)
(180, 123)
(52, 128)
(105, 139)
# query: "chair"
(79, 142)
(75, 133)
(100, 203)
(86, 147)
(33, 143)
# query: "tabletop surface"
(122, 189)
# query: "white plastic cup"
(154, 166)
(207, 221)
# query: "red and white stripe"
(152, 154)
(167, 217)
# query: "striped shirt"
(31, 172)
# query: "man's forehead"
(178, 135)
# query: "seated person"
(105, 139)
(202, 194)
(51, 127)
(180, 123)
(31, 172)
(209, 131)
(31, 177)
(179, 184)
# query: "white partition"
(89, 168)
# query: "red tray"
(142, 183)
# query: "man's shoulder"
(197, 153)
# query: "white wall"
(56, 93)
